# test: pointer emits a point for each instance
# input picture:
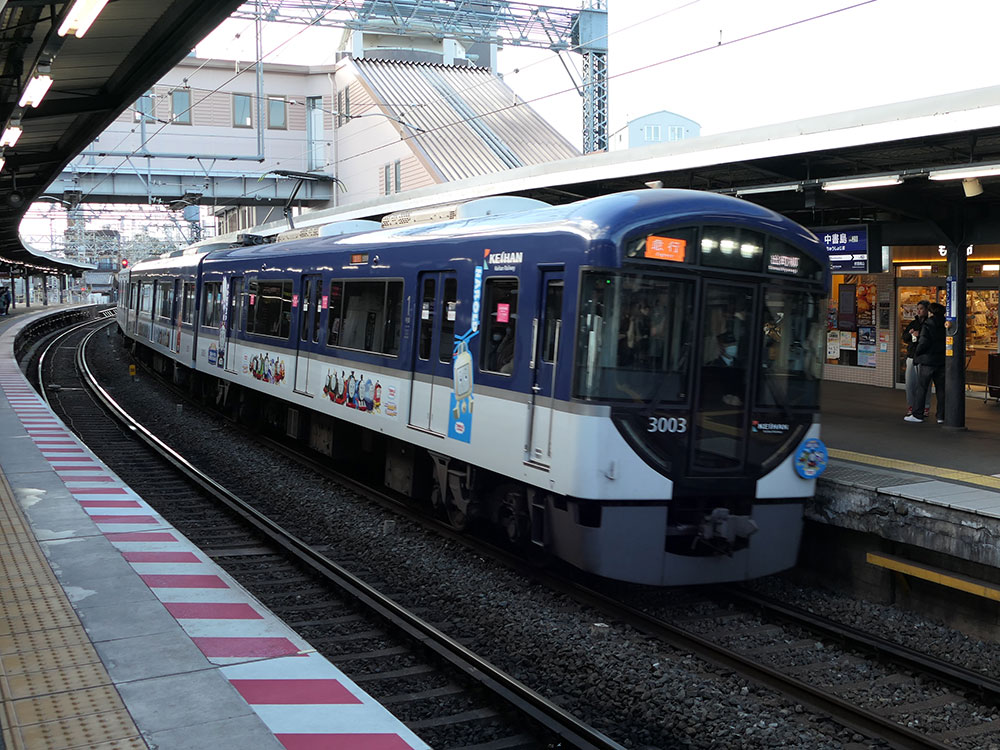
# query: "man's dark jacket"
(930, 345)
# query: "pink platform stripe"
(181, 556)
(77, 467)
(95, 478)
(245, 648)
(342, 742)
(171, 581)
(110, 504)
(98, 490)
(212, 611)
(84, 459)
(123, 519)
(293, 692)
(140, 536)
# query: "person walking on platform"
(4, 300)
(929, 360)
(910, 336)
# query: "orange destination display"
(665, 248)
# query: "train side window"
(165, 299)
(426, 319)
(187, 312)
(270, 309)
(366, 315)
(553, 315)
(446, 344)
(336, 313)
(500, 325)
(212, 308)
(146, 298)
(393, 317)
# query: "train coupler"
(721, 529)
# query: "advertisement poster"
(833, 345)
(866, 355)
(866, 305)
(847, 308)
(848, 340)
(866, 335)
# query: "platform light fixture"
(863, 182)
(786, 188)
(11, 134)
(37, 87)
(968, 172)
(80, 17)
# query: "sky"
(728, 64)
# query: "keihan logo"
(496, 259)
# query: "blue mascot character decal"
(460, 416)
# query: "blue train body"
(630, 381)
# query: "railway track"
(443, 691)
(885, 693)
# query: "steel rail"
(520, 696)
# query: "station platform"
(934, 489)
(117, 633)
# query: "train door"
(233, 321)
(728, 359)
(545, 335)
(178, 304)
(309, 309)
(431, 387)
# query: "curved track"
(406, 662)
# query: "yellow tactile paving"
(936, 472)
(55, 692)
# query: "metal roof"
(461, 122)
(909, 139)
(129, 47)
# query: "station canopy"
(130, 46)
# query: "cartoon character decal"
(811, 458)
(461, 398)
(360, 393)
(267, 369)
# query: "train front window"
(793, 349)
(634, 338)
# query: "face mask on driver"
(497, 336)
(730, 351)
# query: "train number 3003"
(667, 424)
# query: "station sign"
(847, 247)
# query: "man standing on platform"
(910, 336)
(929, 360)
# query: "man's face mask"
(497, 336)
(730, 350)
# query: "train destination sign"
(847, 248)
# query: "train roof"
(607, 218)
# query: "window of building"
(187, 312)
(241, 111)
(211, 314)
(652, 133)
(366, 315)
(392, 177)
(343, 106)
(269, 307)
(144, 108)
(675, 133)
(180, 107)
(277, 113)
(499, 325)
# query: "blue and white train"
(630, 381)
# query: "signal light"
(124, 262)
